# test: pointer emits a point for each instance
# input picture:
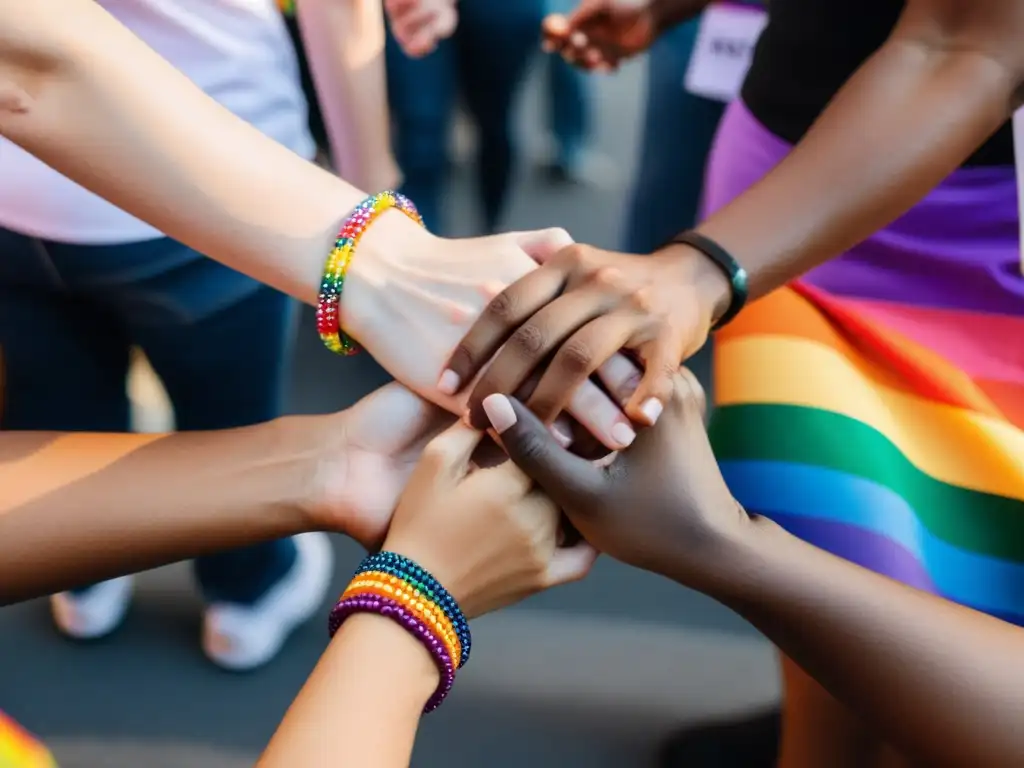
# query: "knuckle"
(436, 454)
(574, 255)
(610, 280)
(463, 358)
(532, 449)
(576, 357)
(642, 300)
(556, 234)
(528, 340)
(501, 308)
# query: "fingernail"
(623, 434)
(651, 409)
(449, 382)
(561, 433)
(499, 412)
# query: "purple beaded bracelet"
(385, 606)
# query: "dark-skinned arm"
(945, 81)
(942, 682)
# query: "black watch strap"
(732, 269)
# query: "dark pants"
(569, 109)
(679, 128)
(69, 315)
(569, 94)
(485, 62)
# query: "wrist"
(722, 562)
(301, 455)
(383, 265)
(698, 272)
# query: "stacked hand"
(662, 505)
(571, 317)
(366, 456)
(428, 291)
(487, 535)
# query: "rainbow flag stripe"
(889, 433)
(19, 749)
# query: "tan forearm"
(344, 42)
(372, 666)
(78, 508)
(107, 111)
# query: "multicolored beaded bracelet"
(328, 310)
(414, 601)
(397, 565)
(385, 606)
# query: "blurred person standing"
(485, 61)
(687, 93)
(82, 283)
(569, 111)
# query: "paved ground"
(571, 678)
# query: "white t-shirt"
(237, 51)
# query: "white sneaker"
(242, 637)
(94, 612)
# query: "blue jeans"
(485, 62)
(569, 97)
(678, 130)
(69, 315)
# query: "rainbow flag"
(888, 433)
(19, 749)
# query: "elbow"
(24, 76)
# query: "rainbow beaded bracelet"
(385, 606)
(420, 579)
(328, 310)
(393, 585)
(414, 601)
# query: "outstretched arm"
(344, 41)
(943, 683)
(78, 90)
(946, 79)
(76, 508)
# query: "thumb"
(449, 453)
(570, 564)
(569, 480)
(540, 245)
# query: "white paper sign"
(723, 50)
(1018, 152)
